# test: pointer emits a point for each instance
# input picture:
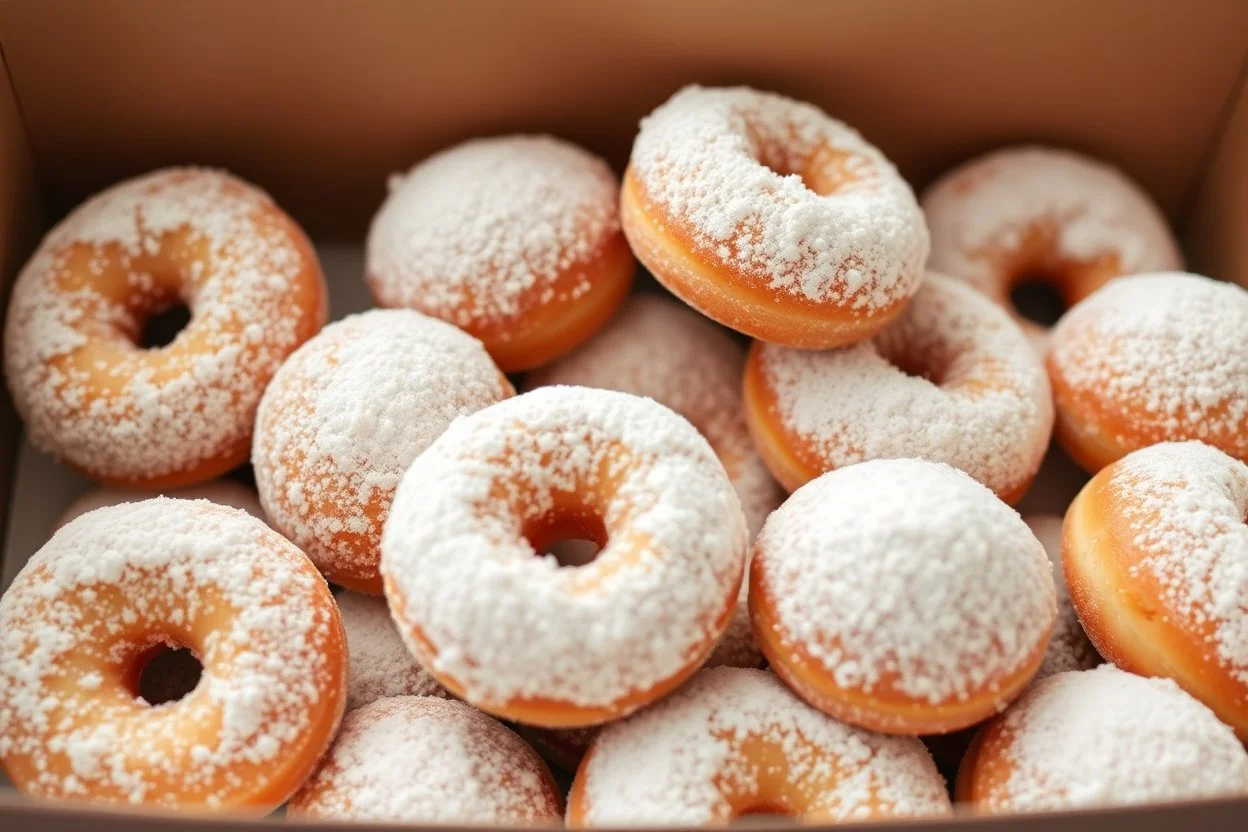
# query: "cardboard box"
(318, 101)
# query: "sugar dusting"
(381, 665)
(223, 492)
(1069, 647)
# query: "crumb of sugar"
(223, 492)
(1069, 647)
(467, 234)
(1102, 737)
(166, 416)
(381, 665)
(673, 763)
(990, 414)
(411, 759)
(910, 571)
(201, 563)
(699, 159)
(506, 624)
(345, 416)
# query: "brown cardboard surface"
(1217, 233)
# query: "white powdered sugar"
(87, 393)
(381, 665)
(117, 581)
(509, 625)
(908, 575)
(982, 212)
(484, 230)
(222, 492)
(1105, 737)
(1166, 354)
(411, 759)
(953, 380)
(1184, 506)
(686, 761)
(1069, 647)
(345, 416)
(742, 173)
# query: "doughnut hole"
(573, 538)
(1041, 283)
(165, 672)
(162, 328)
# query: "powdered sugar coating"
(981, 213)
(345, 416)
(153, 571)
(481, 231)
(907, 575)
(1069, 648)
(414, 759)
(381, 665)
(87, 393)
(987, 410)
(1103, 737)
(676, 763)
(509, 625)
(730, 168)
(1165, 354)
(222, 492)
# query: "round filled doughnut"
(1102, 737)
(901, 596)
(380, 665)
(345, 416)
(954, 380)
(734, 742)
(117, 587)
(1148, 359)
(1036, 214)
(144, 419)
(521, 636)
(516, 240)
(222, 492)
(772, 218)
(1155, 550)
(414, 759)
(1069, 647)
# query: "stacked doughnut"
(603, 564)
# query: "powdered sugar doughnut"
(1099, 738)
(1069, 647)
(901, 595)
(346, 415)
(1156, 555)
(735, 741)
(155, 419)
(954, 380)
(519, 635)
(1148, 359)
(411, 759)
(221, 492)
(515, 240)
(772, 218)
(1036, 213)
(118, 585)
(381, 666)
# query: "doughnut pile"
(744, 543)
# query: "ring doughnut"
(520, 636)
(902, 596)
(515, 240)
(734, 742)
(221, 492)
(114, 588)
(161, 418)
(1154, 550)
(772, 218)
(954, 380)
(1149, 359)
(380, 663)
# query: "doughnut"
(516, 240)
(1155, 550)
(1148, 359)
(416, 759)
(380, 665)
(954, 380)
(1069, 647)
(523, 637)
(772, 218)
(1037, 214)
(735, 742)
(902, 596)
(161, 418)
(1102, 737)
(121, 585)
(346, 415)
(222, 492)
